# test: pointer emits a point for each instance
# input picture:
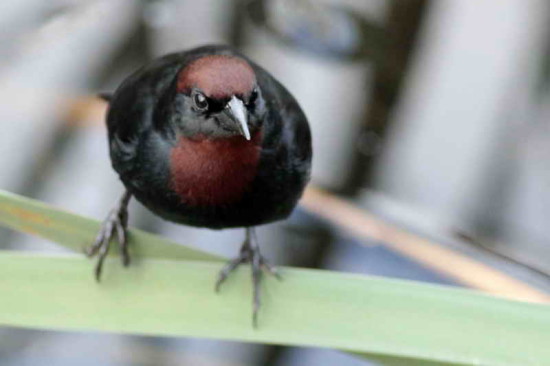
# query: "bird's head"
(218, 96)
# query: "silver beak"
(238, 110)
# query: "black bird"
(206, 138)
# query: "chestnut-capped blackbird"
(206, 138)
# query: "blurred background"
(432, 115)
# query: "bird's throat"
(214, 172)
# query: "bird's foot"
(115, 224)
(250, 253)
(247, 255)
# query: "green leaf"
(395, 322)
(76, 232)
(398, 320)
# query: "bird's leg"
(116, 223)
(250, 253)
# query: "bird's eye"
(253, 97)
(200, 101)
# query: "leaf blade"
(394, 320)
(76, 232)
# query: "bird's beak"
(237, 112)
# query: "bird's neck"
(212, 172)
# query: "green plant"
(169, 291)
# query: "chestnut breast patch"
(210, 172)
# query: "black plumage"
(173, 154)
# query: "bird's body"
(201, 180)
(207, 138)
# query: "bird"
(207, 138)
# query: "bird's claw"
(243, 258)
(250, 254)
(115, 225)
(272, 270)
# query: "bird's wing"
(294, 127)
(131, 109)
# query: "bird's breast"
(213, 172)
